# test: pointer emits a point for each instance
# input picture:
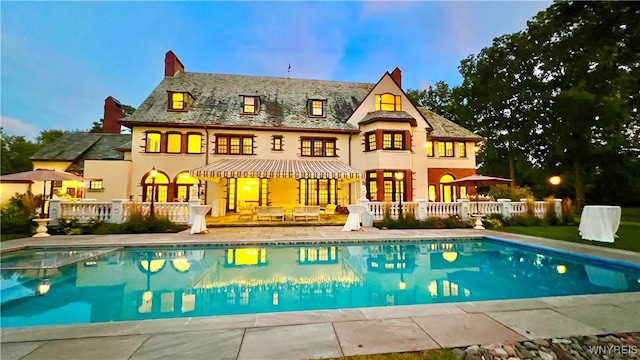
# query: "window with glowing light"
(277, 143)
(388, 102)
(152, 143)
(370, 141)
(194, 143)
(174, 142)
(250, 104)
(318, 191)
(445, 148)
(462, 150)
(318, 147)
(96, 185)
(234, 144)
(430, 152)
(393, 140)
(177, 101)
(316, 108)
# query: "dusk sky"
(60, 60)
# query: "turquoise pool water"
(71, 286)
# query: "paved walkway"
(332, 333)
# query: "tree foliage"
(561, 97)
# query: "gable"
(367, 112)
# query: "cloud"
(16, 127)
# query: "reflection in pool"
(64, 286)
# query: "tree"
(438, 99)
(562, 96)
(47, 137)
(16, 151)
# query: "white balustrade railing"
(117, 210)
(463, 208)
(84, 211)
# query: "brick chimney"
(396, 75)
(112, 116)
(172, 64)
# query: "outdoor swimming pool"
(71, 286)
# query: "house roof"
(447, 129)
(78, 147)
(283, 102)
(393, 116)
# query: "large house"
(268, 140)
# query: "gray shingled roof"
(78, 147)
(447, 129)
(388, 115)
(284, 101)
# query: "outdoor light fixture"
(399, 176)
(555, 180)
(153, 173)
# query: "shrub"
(493, 220)
(550, 215)
(568, 212)
(18, 214)
(410, 222)
(507, 192)
(523, 220)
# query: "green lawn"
(628, 235)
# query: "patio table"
(599, 223)
(353, 220)
(199, 222)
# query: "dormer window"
(316, 108)
(388, 102)
(250, 104)
(179, 101)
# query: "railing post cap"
(504, 200)
(463, 200)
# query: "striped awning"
(271, 168)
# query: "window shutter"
(407, 140)
(379, 140)
(163, 142)
(184, 143)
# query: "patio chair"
(329, 210)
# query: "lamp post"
(399, 177)
(153, 174)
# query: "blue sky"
(60, 60)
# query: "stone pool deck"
(331, 333)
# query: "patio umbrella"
(480, 180)
(43, 175)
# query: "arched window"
(447, 191)
(388, 102)
(183, 183)
(161, 185)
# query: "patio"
(321, 334)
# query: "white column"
(558, 205)
(54, 211)
(117, 211)
(422, 209)
(465, 211)
(505, 207)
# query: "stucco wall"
(114, 175)
(169, 164)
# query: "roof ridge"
(275, 77)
